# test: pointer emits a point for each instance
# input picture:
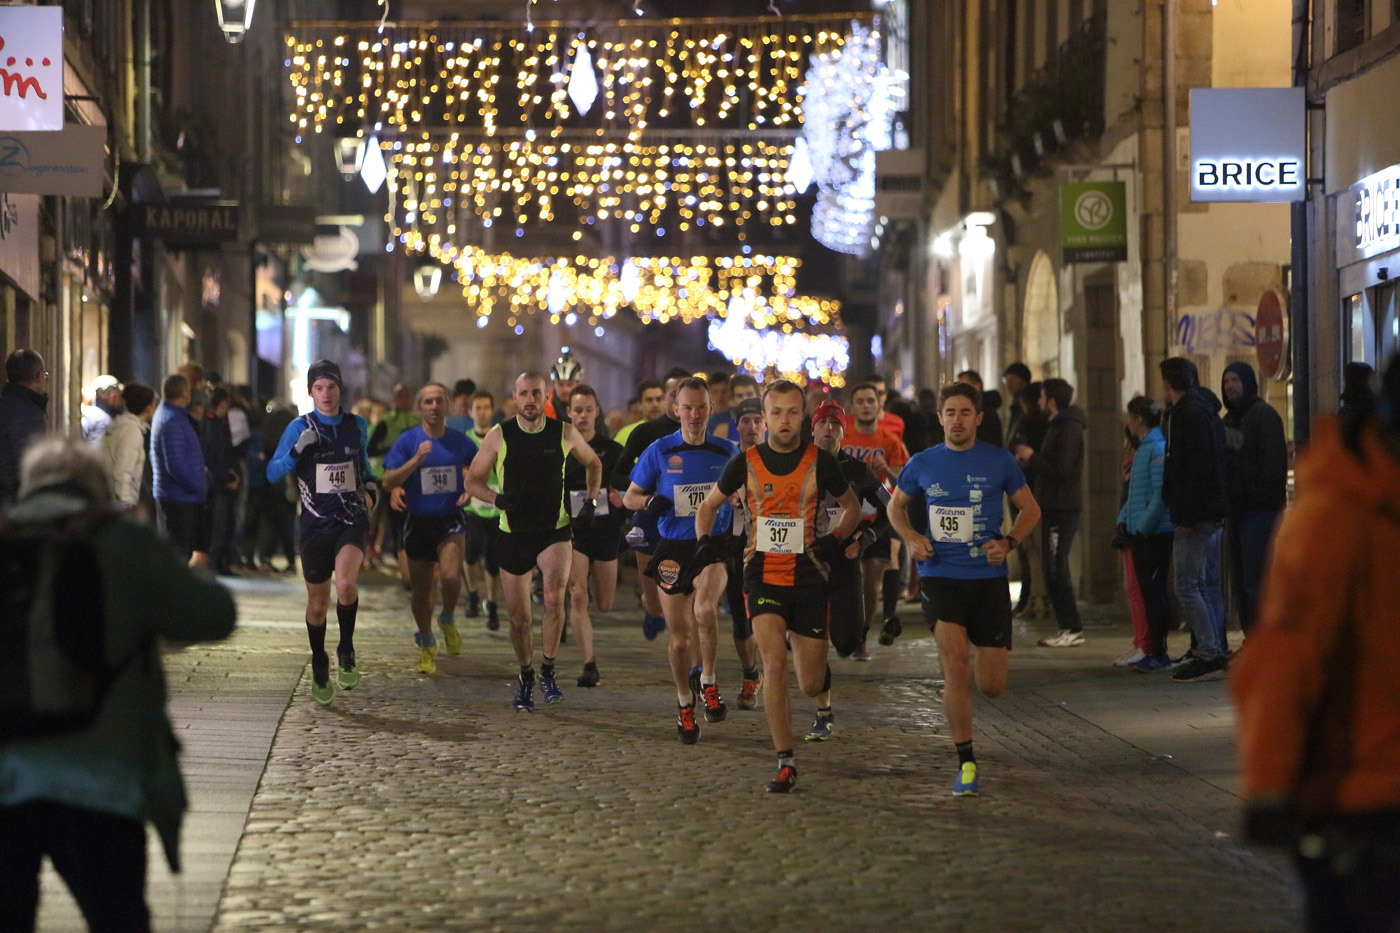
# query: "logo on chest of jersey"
(976, 479)
(675, 465)
(936, 490)
(768, 489)
(974, 494)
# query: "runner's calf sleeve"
(889, 589)
(826, 684)
(316, 634)
(345, 616)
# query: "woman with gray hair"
(82, 797)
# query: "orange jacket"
(1318, 681)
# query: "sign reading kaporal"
(1248, 144)
(31, 68)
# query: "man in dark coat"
(22, 407)
(1257, 481)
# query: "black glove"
(826, 548)
(658, 504)
(866, 536)
(707, 551)
(507, 501)
(586, 517)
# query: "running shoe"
(715, 710)
(653, 626)
(748, 695)
(1152, 664)
(321, 688)
(451, 638)
(473, 606)
(821, 729)
(695, 690)
(965, 784)
(492, 621)
(549, 689)
(1064, 638)
(589, 677)
(1198, 670)
(524, 701)
(893, 628)
(1130, 657)
(785, 781)
(860, 654)
(427, 651)
(349, 674)
(686, 726)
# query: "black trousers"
(845, 606)
(1352, 889)
(101, 857)
(1152, 557)
(1058, 529)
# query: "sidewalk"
(425, 803)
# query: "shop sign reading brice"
(31, 68)
(1248, 144)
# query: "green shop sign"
(1094, 222)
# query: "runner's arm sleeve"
(366, 472)
(284, 460)
(829, 475)
(734, 477)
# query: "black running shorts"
(518, 551)
(318, 552)
(601, 542)
(481, 540)
(670, 567)
(803, 608)
(423, 533)
(983, 607)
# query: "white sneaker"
(1129, 658)
(1064, 638)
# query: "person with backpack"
(87, 754)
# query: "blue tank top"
(329, 475)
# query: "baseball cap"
(829, 410)
(749, 406)
(104, 384)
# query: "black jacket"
(1258, 461)
(1058, 465)
(1193, 475)
(21, 417)
(990, 430)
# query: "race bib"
(950, 525)
(779, 535)
(689, 497)
(577, 498)
(438, 480)
(335, 478)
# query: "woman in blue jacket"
(1145, 519)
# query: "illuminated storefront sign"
(31, 68)
(1248, 144)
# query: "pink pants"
(1141, 638)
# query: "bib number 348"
(779, 535)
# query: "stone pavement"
(425, 803)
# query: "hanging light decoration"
(235, 18)
(373, 169)
(426, 280)
(583, 85)
(780, 353)
(349, 156)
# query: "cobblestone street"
(425, 803)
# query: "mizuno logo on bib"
(688, 498)
(779, 535)
(335, 478)
(949, 525)
(438, 479)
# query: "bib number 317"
(779, 535)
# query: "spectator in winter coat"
(22, 405)
(101, 402)
(1016, 378)
(124, 444)
(1031, 425)
(82, 798)
(180, 481)
(1257, 481)
(1145, 521)
(1058, 467)
(1194, 489)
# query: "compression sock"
(316, 634)
(547, 667)
(527, 675)
(345, 615)
(751, 673)
(889, 589)
(964, 752)
(826, 684)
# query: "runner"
(845, 602)
(483, 524)
(789, 546)
(433, 528)
(642, 537)
(868, 441)
(748, 426)
(387, 430)
(564, 374)
(651, 402)
(671, 478)
(326, 451)
(595, 546)
(528, 454)
(725, 423)
(962, 558)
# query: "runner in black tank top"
(527, 453)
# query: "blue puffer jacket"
(1145, 513)
(177, 463)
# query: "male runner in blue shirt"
(424, 471)
(671, 478)
(962, 558)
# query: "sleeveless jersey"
(785, 516)
(532, 464)
(493, 482)
(329, 475)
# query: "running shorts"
(318, 552)
(481, 540)
(803, 608)
(423, 533)
(983, 607)
(517, 552)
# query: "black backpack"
(54, 675)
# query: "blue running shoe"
(821, 729)
(965, 784)
(524, 697)
(549, 689)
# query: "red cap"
(829, 410)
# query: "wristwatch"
(1013, 542)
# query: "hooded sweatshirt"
(1058, 466)
(1317, 683)
(1258, 461)
(1193, 474)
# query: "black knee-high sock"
(345, 615)
(316, 634)
(890, 592)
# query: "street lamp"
(235, 17)
(350, 156)
(426, 279)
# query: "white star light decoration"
(583, 84)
